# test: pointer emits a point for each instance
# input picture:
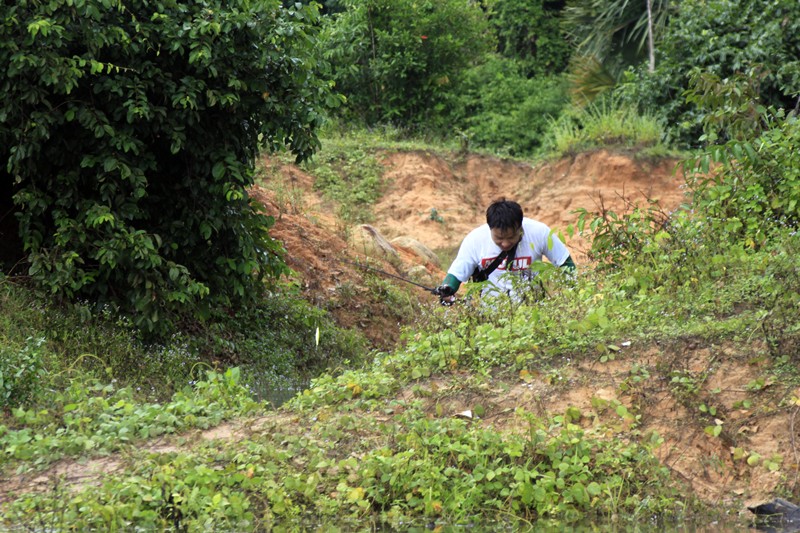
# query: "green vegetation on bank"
(278, 342)
(355, 448)
(142, 296)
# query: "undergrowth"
(606, 123)
(360, 466)
(353, 447)
(279, 341)
(95, 417)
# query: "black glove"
(445, 293)
(444, 290)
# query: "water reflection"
(694, 525)
(277, 390)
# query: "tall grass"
(44, 345)
(606, 123)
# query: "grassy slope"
(380, 442)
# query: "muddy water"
(695, 525)
(277, 391)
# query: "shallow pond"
(277, 390)
(694, 525)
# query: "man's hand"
(445, 294)
(444, 290)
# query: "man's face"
(506, 238)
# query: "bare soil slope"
(459, 192)
(429, 204)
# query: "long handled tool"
(378, 270)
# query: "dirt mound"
(438, 203)
(429, 204)
(331, 261)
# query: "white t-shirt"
(478, 248)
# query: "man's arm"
(462, 265)
(452, 282)
(569, 264)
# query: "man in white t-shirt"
(507, 244)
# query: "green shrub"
(755, 188)
(21, 372)
(396, 60)
(128, 136)
(530, 31)
(500, 109)
(274, 341)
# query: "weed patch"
(92, 417)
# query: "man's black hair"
(504, 214)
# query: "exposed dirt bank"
(430, 203)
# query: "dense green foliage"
(21, 372)
(128, 139)
(399, 60)
(722, 37)
(530, 31)
(372, 443)
(500, 109)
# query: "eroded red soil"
(429, 204)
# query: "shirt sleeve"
(467, 258)
(558, 253)
(546, 243)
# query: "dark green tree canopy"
(128, 135)
(530, 31)
(724, 38)
(399, 60)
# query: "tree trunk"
(650, 46)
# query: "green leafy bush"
(128, 138)
(274, 341)
(21, 370)
(722, 37)
(621, 237)
(755, 187)
(500, 109)
(396, 60)
(448, 467)
(530, 31)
